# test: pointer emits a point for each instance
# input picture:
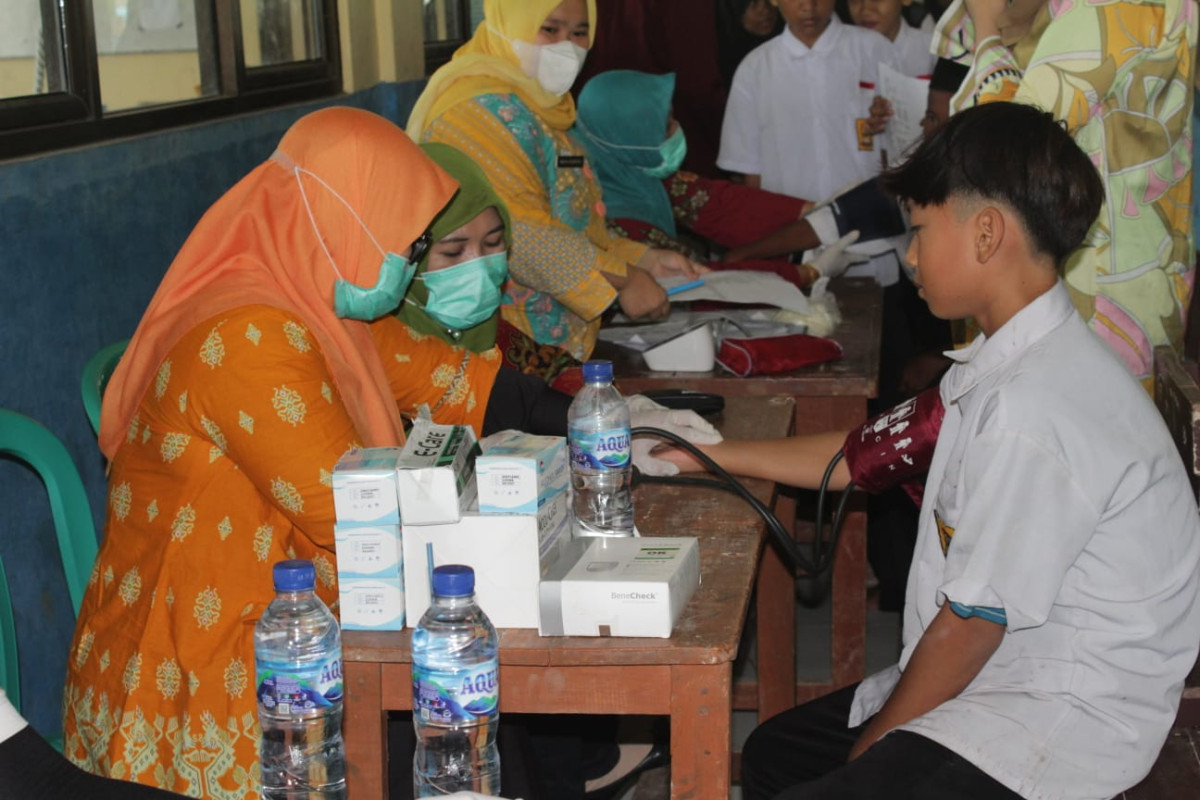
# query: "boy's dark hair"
(1011, 153)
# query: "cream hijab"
(487, 64)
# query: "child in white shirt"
(911, 45)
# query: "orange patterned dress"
(225, 470)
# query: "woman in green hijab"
(457, 289)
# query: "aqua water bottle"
(456, 691)
(601, 459)
(298, 666)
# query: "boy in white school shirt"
(799, 119)
(911, 45)
(1051, 611)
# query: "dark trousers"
(801, 755)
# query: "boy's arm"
(946, 659)
(796, 461)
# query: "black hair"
(1011, 153)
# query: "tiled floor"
(1176, 775)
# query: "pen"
(683, 287)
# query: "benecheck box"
(624, 586)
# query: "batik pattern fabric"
(561, 246)
(225, 470)
(1119, 73)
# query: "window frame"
(439, 53)
(36, 124)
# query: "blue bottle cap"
(296, 575)
(598, 371)
(453, 580)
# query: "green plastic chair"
(27, 440)
(96, 373)
(10, 673)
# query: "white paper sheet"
(746, 287)
(909, 98)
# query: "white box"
(435, 475)
(628, 586)
(370, 577)
(519, 473)
(364, 487)
(509, 553)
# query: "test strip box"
(619, 586)
(519, 472)
(435, 474)
(370, 577)
(364, 487)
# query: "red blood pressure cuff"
(895, 448)
(774, 354)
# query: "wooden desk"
(687, 677)
(828, 397)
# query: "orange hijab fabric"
(487, 64)
(257, 245)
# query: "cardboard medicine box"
(370, 577)
(626, 586)
(509, 553)
(435, 474)
(364, 487)
(520, 472)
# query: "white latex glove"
(832, 260)
(645, 413)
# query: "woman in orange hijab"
(268, 350)
(503, 100)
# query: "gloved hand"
(832, 260)
(645, 413)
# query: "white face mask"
(555, 66)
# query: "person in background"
(636, 148)
(1119, 76)
(268, 350)
(31, 768)
(911, 44)
(810, 90)
(1045, 645)
(700, 41)
(503, 100)
(457, 290)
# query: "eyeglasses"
(420, 247)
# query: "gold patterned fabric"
(225, 469)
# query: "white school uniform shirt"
(1062, 500)
(11, 721)
(912, 51)
(793, 110)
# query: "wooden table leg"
(702, 705)
(364, 728)
(775, 602)
(848, 653)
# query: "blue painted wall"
(85, 236)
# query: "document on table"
(741, 286)
(909, 98)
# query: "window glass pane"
(280, 31)
(149, 53)
(31, 54)
(443, 21)
(476, 14)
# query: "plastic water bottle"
(298, 664)
(456, 691)
(601, 466)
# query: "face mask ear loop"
(613, 145)
(296, 170)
